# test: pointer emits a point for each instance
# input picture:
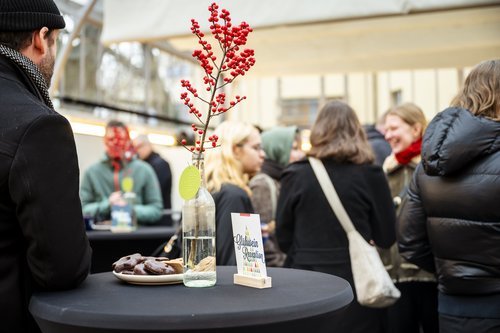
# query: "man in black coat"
(43, 245)
(146, 153)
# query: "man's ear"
(39, 45)
(41, 41)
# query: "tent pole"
(62, 58)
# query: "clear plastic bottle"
(130, 199)
(198, 235)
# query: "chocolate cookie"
(128, 272)
(139, 269)
(127, 262)
(157, 267)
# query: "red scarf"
(404, 157)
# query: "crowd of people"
(424, 194)
(397, 202)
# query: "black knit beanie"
(28, 15)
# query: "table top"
(105, 302)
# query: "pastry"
(136, 264)
(158, 267)
(140, 270)
(127, 262)
(176, 264)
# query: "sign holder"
(254, 282)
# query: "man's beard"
(46, 67)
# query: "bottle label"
(189, 183)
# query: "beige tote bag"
(374, 287)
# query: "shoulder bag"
(374, 287)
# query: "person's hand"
(116, 198)
(271, 226)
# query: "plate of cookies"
(143, 270)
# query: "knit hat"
(28, 15)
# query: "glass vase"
(198, 235)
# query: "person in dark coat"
(451, 218)
(282, 147)
(375, 135)
(306, 226)
(43, 245)
(416, 310)
(227, 170)
(146, 153)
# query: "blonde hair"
(337, 133)
(221, 166)
(481, 91)
(411, 114)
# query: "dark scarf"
(404, 157)
(272, 168)
(30, 69)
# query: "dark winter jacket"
(451, 221)
(308, 230)
(164, 174)
(43, 245)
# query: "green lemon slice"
(189, 182)
(127, 184)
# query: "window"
(396, 97)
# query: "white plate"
(150, 280)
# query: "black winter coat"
(451, 221)
(43, 245)
(164, 175)
(307, 228)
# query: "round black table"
(297, 300)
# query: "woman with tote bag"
(308, 229)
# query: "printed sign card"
(249, 249)
(121, 218)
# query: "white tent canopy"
(323, 36)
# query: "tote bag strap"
(331, 194)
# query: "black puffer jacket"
(451, 221)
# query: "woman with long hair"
(307, 228)
(227, 170)
(450, 222)
(416, 310)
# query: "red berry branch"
(220, 70)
